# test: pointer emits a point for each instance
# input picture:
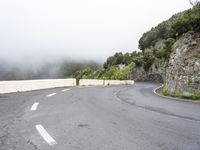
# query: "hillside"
(170, 54)
(173, 49)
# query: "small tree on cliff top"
(194, 2)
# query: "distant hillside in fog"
(63, 69)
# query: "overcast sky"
(87, 29)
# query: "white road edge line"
(45, 135)
(65, 90)
(51, 94)
(172, 98)
(34, 106)
(155, 90)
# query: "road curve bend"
(98, 118)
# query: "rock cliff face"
(181, 73)
(157, 72)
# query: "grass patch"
(196, 57)
(193, 44)
(192, 96)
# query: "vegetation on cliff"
(173, 28)
(117, 67)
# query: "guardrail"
(119, 82)
(94, 82)
(90, 82)
(29, 85)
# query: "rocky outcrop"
(156, 72)
(181, 73)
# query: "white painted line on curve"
(157, 89)
(173, 98)
(45, 135)
(51, 94)
(65, 90)
(34, 106)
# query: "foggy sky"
(39, 30)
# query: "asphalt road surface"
(98, 118)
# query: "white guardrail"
(29, 85)
(94, 82)
(90, 82)
(119, 82)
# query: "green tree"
(127, 58)
(119, 58)
(148, 60)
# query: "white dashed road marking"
(51, 94)
(45, 135)
(34, 106)
(65, 90)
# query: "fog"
(87, 29)
(47, 70)
(38, 32)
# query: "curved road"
(98, 118)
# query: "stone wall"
(183, 71)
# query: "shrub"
(148, 60)
(160, 53)
(193, 44)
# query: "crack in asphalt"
(32, 144)
(5, 136)
(3, 139)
